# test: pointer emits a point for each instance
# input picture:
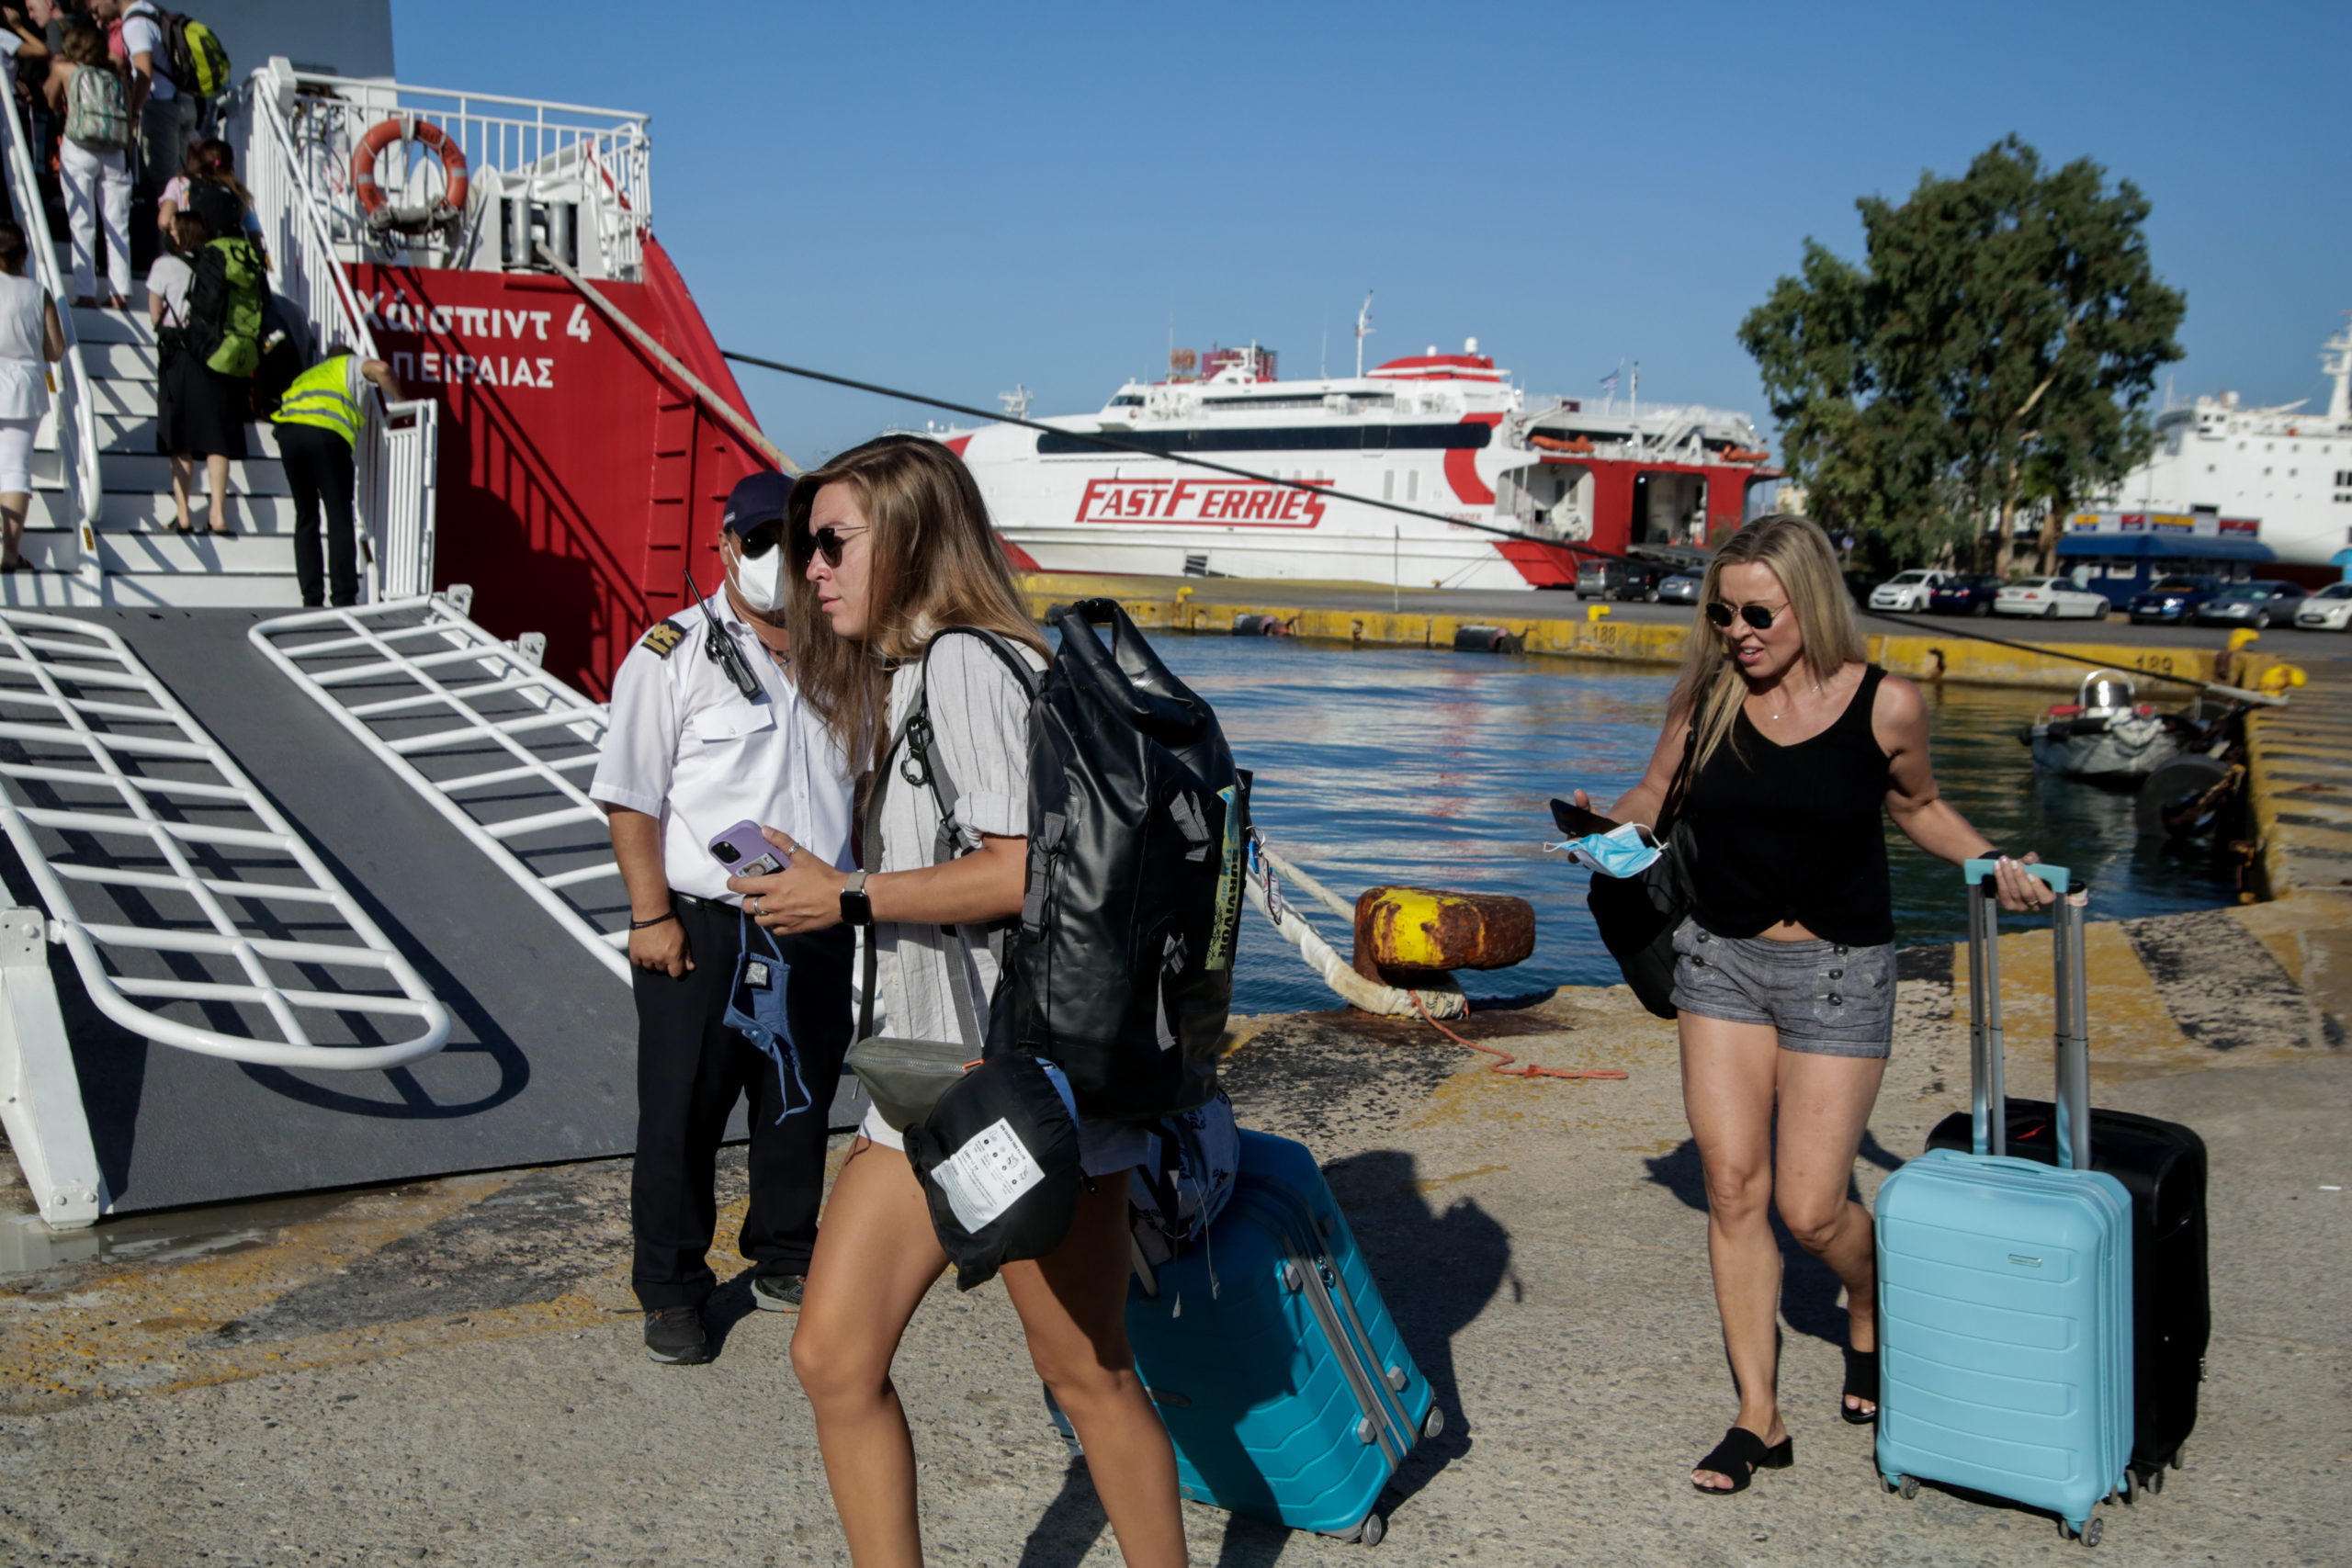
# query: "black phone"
(1579, 822)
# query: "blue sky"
(955, 199)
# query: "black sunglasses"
(760, 540)
(829, 543)
(1760, 616)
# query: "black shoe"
(778, 1292)
(1861, 1383)
(674, 1337)
(1739, 1456)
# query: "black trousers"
(319, 468)
(690, 1069)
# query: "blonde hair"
(935, 563)
(1709, 692)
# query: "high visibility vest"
(320, 395)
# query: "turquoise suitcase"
(1282, 1378)
(2004, 1285)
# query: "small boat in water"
(2106, 732)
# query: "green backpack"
(224, 307)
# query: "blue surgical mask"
(755, 1010)
(1622, 852)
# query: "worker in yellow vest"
(318, 421)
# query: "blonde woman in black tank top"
(1784, 977)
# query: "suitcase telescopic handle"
(1988, 1099)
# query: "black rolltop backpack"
(1120, 970)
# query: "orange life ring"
(373, 200)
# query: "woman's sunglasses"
(1760, 616)
(829, 543)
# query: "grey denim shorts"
(1825, 998)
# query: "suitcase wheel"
(2156, 1481)
(1371, 1530)
(1434, 1422)
(1908, 1485)
(2093, 1530)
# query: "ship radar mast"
(1016, 402)
(1364, 329)
(2337, 362)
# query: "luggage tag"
(1625, 851)
(755, 1010)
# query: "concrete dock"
(449, 1370)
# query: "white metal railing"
(499, 746)
(599, 157)
(112, 784)
(398, 450)
(76, 422)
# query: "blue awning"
(2164, 546)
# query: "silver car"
(2329, 610)
(1683, 588)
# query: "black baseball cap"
(756, 502)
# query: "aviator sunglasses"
(1760, 616)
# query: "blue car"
(1963, 595)
(2173, 601)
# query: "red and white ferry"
(1504, 484)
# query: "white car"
(1907, 590)
(2051, 597)
(2329, 610)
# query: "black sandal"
(1861, 1383)
(1740, 1455)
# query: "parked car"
(2259, 603)
(1907, 590)
(1971, 595)
(2172, 599)
(2051, 597)
(1618, 579)
(2329, 610)
(1683, 588)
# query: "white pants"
(16, 456)
(93, 180)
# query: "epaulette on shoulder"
(664, 638)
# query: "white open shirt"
(686, 747)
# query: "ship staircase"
(294, 899)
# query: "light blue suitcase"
(2004, 1285)
(1283, 1382)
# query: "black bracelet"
(665, 914)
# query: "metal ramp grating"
(500, 748)
(222, 932)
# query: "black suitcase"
(2162, 1164)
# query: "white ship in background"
(1512, 485)
(2289, 467)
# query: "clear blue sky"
(955, 199)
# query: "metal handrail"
(76, 422)
(147, 777)
(445, 675)
(398, 449)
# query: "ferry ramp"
(539, 1056)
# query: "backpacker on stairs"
(224, 307)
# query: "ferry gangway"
(227, 936)
(498, 747)
(398, 450)
(71, 414)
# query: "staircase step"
(134, 511)
(128, 400)
(150, 472)
(193, 589)
(93, 327)
(134, 436)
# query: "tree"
(1993, 354)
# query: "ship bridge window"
(1251, 405)
(1286, 438)
(1126, 400)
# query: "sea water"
(1435, 768)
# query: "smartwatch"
(856, 909)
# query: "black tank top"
(1793, 832)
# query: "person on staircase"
(207, 382)
(168, 282)
(166, 118)
(32, 340)
(94, 160)
(318, 425)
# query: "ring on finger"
(757, 908)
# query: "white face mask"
(760, 580)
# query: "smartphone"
(744, 853)
(1577, 822)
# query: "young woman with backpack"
(893, 544)
(32, 340)
(94, 160)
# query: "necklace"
(1816, 691)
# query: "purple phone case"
(754, 855)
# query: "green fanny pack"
(906, 1077)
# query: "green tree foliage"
(1993, 354)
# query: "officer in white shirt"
(709, 731)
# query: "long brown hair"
(935, 563)
(1710, 691)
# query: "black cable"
(1115, 444)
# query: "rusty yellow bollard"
(1405, 935)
